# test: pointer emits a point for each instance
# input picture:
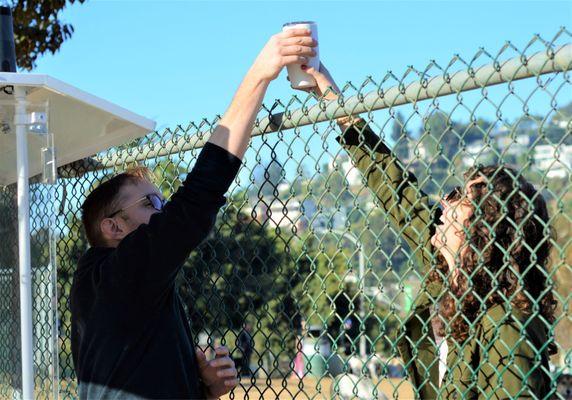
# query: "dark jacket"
(130, 336)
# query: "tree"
(244, 272)
(329, 299)
(474, 131)
(439, 136)
(38, 29)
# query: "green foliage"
(245, 273)
(331, 296)
(38, 29)
(70, 247)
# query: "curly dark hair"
(505, 255)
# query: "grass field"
(309, 388)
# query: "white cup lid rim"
(298, 23)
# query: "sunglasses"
(156, 201)
(454, 195)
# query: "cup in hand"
(299, 79)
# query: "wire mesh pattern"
(307, 277)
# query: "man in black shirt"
(130, 336)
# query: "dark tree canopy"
(37, 28)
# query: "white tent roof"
(82, 124)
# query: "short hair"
(103, 200)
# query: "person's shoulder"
(93, 256)
(503, 320)
(506, 330)
(88, 272)
(91, 261)
(499, 316)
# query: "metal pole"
(361, 287)
(543, 62)
(20, 120)
(362, 347)
(361, 283)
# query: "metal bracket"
(49, 169)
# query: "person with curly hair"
(479, 326)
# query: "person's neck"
(453, 261)
(450, 259)
(112, 243)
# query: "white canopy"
(82, 124)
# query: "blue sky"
(181, 61)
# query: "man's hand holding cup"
(295, 46)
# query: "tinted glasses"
(454, 195)
(154, 200)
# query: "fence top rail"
(516, 68)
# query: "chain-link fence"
(320, 275)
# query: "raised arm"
(289, 47)
(399, 196)
(154, 253)
(401, 199)
(408, 209)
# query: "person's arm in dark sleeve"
(153, 254)
(399, 195)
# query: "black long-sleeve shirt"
(130, 336)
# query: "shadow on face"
(457, 208)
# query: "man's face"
(449, 235)
(135, 211)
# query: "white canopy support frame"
(24, 259)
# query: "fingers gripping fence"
(331, 273)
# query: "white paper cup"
(299, 79)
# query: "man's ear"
(111, 230)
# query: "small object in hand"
(299, 79)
